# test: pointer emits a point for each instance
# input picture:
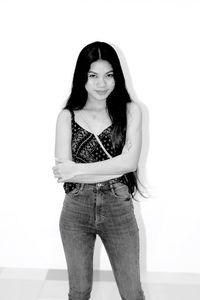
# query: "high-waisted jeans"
(105, 209)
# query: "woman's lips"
(101, 92)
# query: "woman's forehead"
(100, 65)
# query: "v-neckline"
(92, 132)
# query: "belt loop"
(82, 186)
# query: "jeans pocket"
(70, 195)
(74, 192)
(121, 191)
(71, 189)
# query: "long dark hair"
(116, 102)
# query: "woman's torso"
(85, 148)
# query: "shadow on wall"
(142, 170)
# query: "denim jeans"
(105, 209)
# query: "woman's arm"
(90, 178)
(121, 164)
(63, 137)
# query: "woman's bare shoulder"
(64, 116)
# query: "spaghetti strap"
(72, 115)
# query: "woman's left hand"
(64, 170)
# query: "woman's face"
(100, 81)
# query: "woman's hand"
(64, 170)
(127, 147)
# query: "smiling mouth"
(101, 92)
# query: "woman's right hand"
(64, 170)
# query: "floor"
(36, 284)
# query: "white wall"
(158, 43)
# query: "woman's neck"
(95, 106)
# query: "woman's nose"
(101, 82)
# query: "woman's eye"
(92, 76)
(111, 75)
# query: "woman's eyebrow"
(97, 73)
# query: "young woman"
(99, 178)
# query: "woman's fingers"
(64, 171)
(56, 172)
(55, 168)
(60, 180)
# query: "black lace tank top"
(85, 148)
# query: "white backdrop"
(158, 43)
